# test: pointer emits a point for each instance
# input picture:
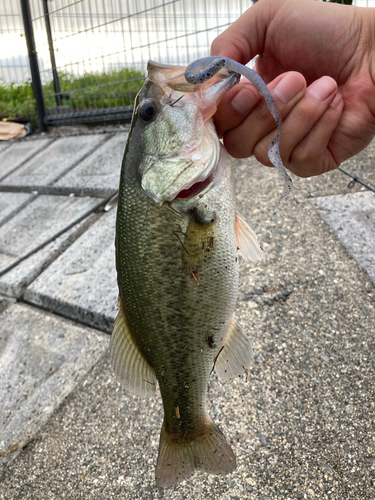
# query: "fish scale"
(162, 299)
(177, 265)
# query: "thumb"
(245, 38)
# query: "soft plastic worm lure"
(202, 70)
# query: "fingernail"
(243, 101)
(291, 85)
(322, 88)
(336, 101)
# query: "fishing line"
(103, 203)
(357, 179)
(202, 70)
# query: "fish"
(178, 241)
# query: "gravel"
(301, 422)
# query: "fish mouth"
(189, 194)
(195, 189)
(182, 170)
(195, 173)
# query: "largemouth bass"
(177, 242)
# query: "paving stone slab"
(42, 359)
(99, 173)
(54, 161)
(309, 310)
(5, 302)
(15, 281)
(81, 284)
(11, 158)
(11, 203)
(352, 218)
(4, 145)
(36, 223)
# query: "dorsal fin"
(247, 241)
(236, 355)
(129, 364)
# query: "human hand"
(328, 47)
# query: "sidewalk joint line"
(103, 203)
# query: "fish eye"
(148, 110)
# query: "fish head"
(179, 144)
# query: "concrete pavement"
(302, 422)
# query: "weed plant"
(90, 91)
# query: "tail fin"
(179, 457)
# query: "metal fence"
(92, 54)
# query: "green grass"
(18, 101)
(91, 91)
(115, 88)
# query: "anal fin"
(236, 355)
(129, 364)
(247, 241)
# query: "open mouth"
(194, 190)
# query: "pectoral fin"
(247, 241)
(129, 364)
(236, 355)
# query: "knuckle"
(236, 146)
(261, 153)
(305, 155)
(305, 162)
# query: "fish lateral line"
(201, 70)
